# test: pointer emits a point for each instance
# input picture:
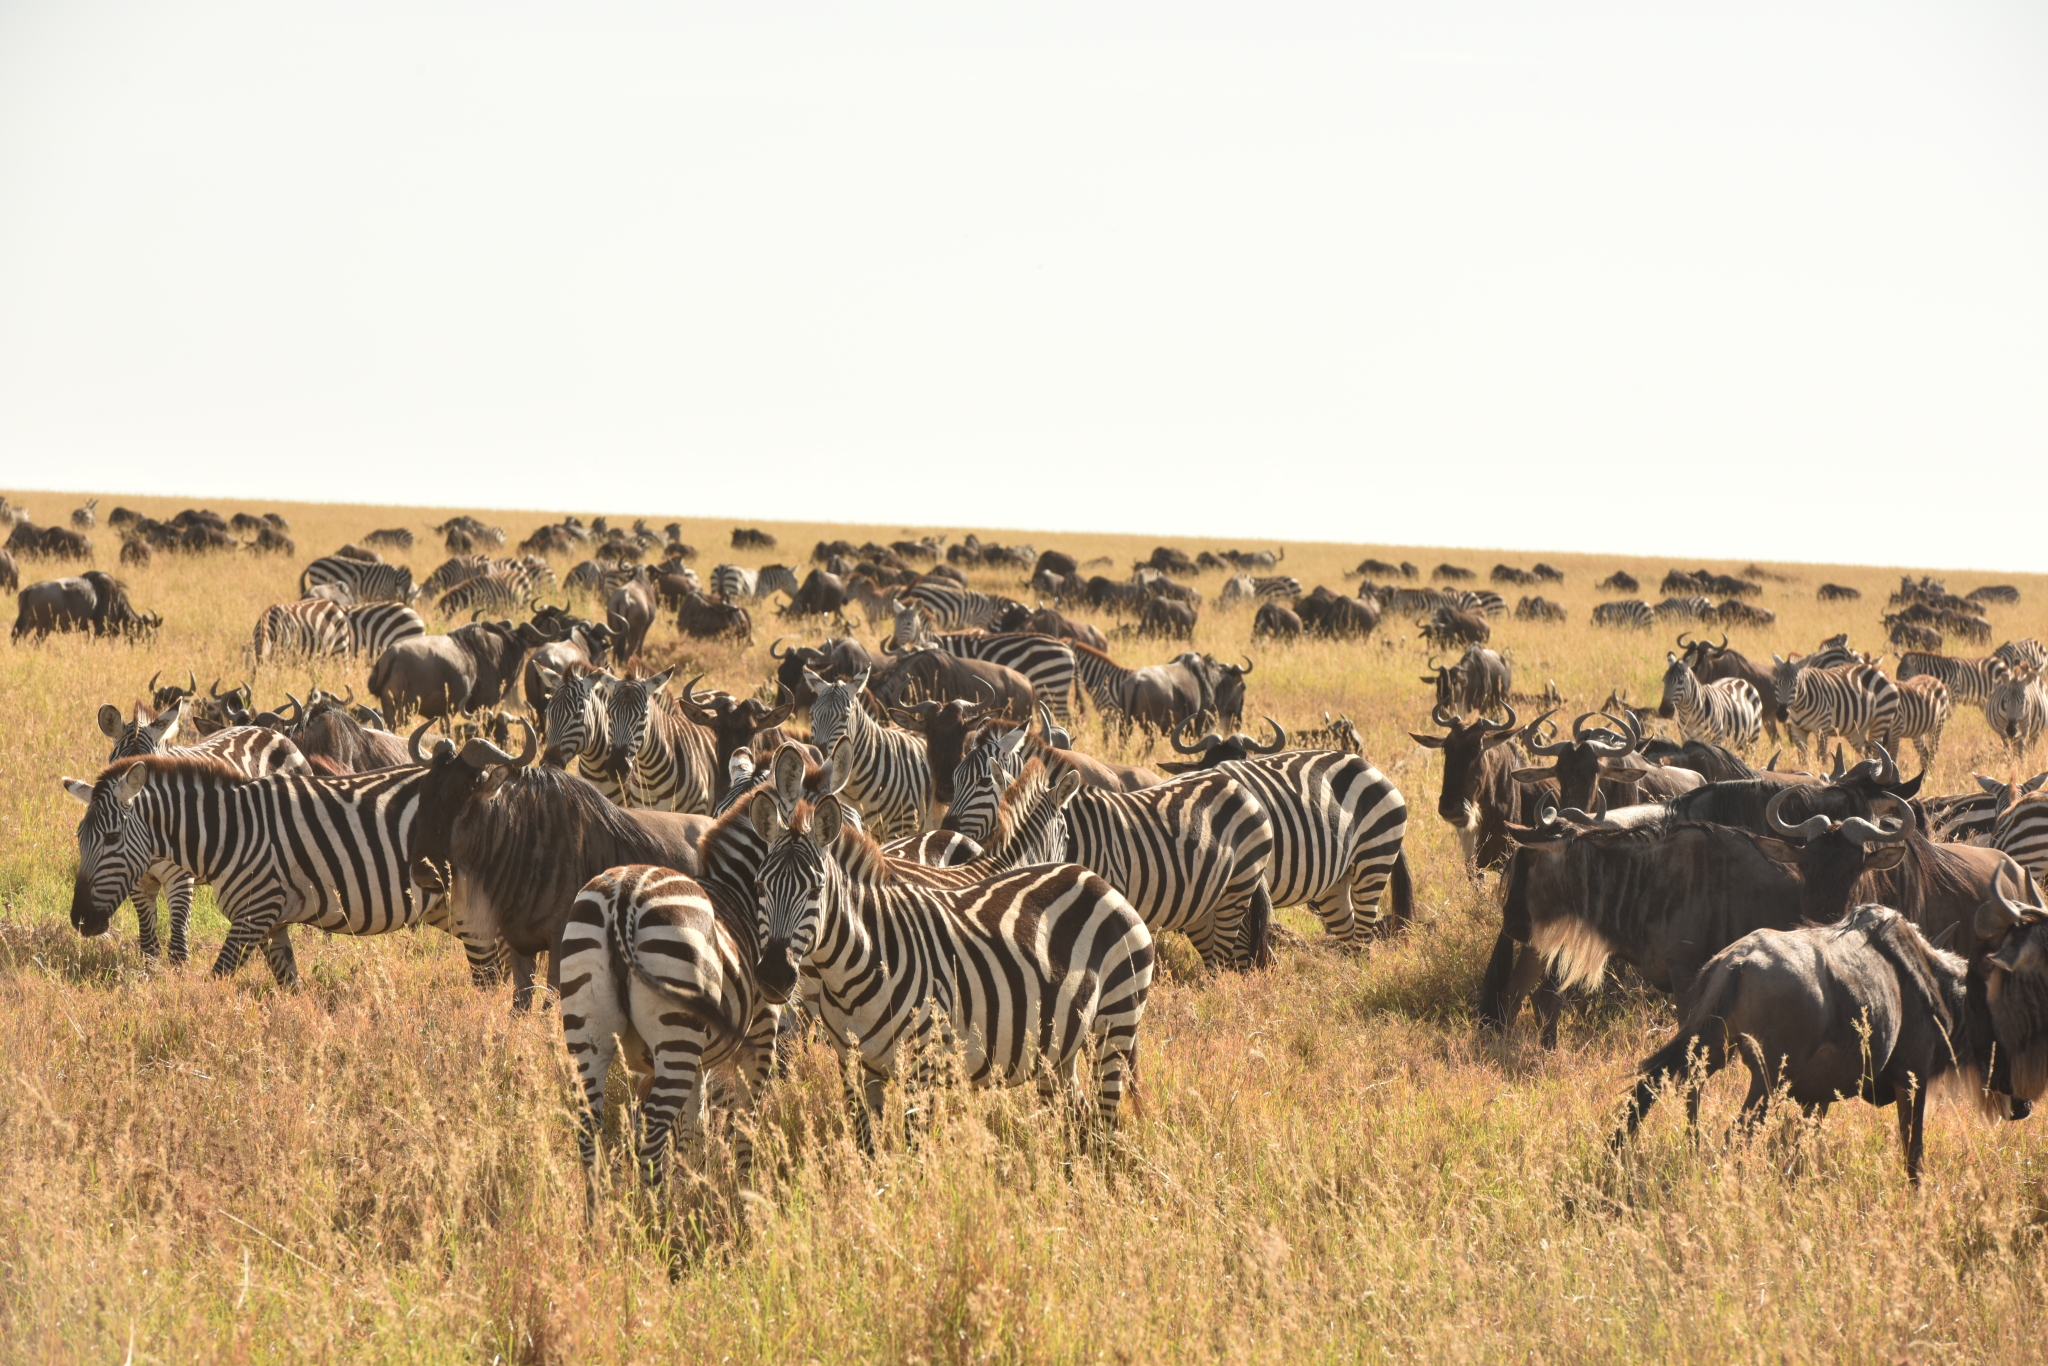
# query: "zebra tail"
(720, 1030)
(1258, 927)
(1401, 891)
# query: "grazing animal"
(1540, 609)
(953, 608)
(365, 582)
(1620, 581)
(1628, 614)
(1478, 683)
(1454, 626)
(2021, 832)
(1046, 663)
(578, 728)
(375, 627)
(751, 538)
(2003, 593)
(1710, 663)
(1969, 681)
(1726, 712)
(1854, 701)
(397, 537)
(732, 582)
(1836, 592)
(10, 573)
(1274, 620)
(94, 602)
(472, 666)
(630, 611)
(87, 517)
(707, 619)
(308, 627)
(1451, 573)
(1175, 620)
(1923, 713)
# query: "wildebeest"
(1868, 1008)
(1167, 618)
(840, 657)
(1162, 695)
(1454, 626)
(1620, 581)
(1540, 609)
(1479, 795)
(1274, 620)
(32, 542)
(1213, 749)
(737, 724)
(1044, 621)
(10, 574)
(87, 517)
(1452, 573)
(472, 666)
(580, 645)
(1836, 592)
(707, 619)
(821, 594)
(1597, 763)
(1479, 682)
(1325, 613)
(931, 674)
(630, 612)
(751, 538)
(95, 602)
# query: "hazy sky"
(1713, 279)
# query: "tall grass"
(1327, 1160)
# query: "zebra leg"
(752, 1070)
(245, 932)
(178, 893)
(673, 1105)
(277, 950)
(145, 915)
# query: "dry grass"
(1329, 1161)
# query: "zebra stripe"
(1629, 613)
(365, 582)
(1046, 663)
(503, 590)
(455, 570)
(1853, 701)
(2017, 710)
(652, 959)
(282, 850)
(254, 751)
(952, 607)
(2022, 832)
(663, 759)
(885, 772)
(1969, 681)
(1105, 681)
(733, 582)
(1190, 855)
(2029, 652)
(1923, 711)
(577, 728)
(375, 627)
(1727, 711)
(310, 626)
(1016, 975)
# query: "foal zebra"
(1727, 711)
(2017, 710)
(664, 760)
(1017, 974)
(365, 582)
(1854, 701)
(253, 751)
(884, 771)
(1969, 681)
(1923, 712)
(1191, 855)
(310, 626)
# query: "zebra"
(731, 582)
(1247, 588)
(1923, 711)
(310, 626)
(376, 626)
(1190, 855)
(2022, 832)
(1854, 701)
(1833, 653)
(577, 728)
(1727, 711)
(254, 751)
(1484, 601)
(1628, 613)
(1692, 608)
(664, 760)
(953, 607)
(365, 582)
(665, 964)
(2017, 710)
(500, 590)
(1047, 663)
(1969, 681)
(2030, 652)
(286, 849)
(1017, 975)
(884, 771)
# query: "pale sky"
(1720, 279)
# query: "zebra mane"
(196, 762)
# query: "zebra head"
(140, 736)
(836, 712)
(794, 886)
(912, 628)
(575, 719)
(1033, 812)
(978, 781)
(627, 705)
(1680, 686)
(113, 846)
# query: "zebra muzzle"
(776, 972)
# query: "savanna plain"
(1328, 1159)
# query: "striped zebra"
(1047, 663)
(1105, 681)
(664, 760)
(1692, 608)
(952, 607)
(2029, 652)
(1853, 701)
(665, 965)
(732, 582)
(2017, 710)
(456, 569)
(1924, 708)
(1727, 711)
(1631, 614)
(1969, 681)
(1190, 855)
(1484, 601)
(310, 626)
(883, 771)
(253, 751)
(1248, 588)
(500, 591)
(375, 627)
(578, 730)
(282, 850)
(1017, 976)
(365, 582)
(2022, 832)
(1833, 653)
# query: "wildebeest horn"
(1202, 746)
(412, 742)
(1442, 717)
(479, 752)
(1724, 642)
(1813, 827)
(1598, 816)
(1279, 738)
(1888, 768)
(1598, 740)
(298, 707)
(350, 700)
(1509, 724)
(773, 653)
(152, 681)
(1545, 749)
(1247, 665)
(213, 689)
(1681, 640)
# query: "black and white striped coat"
(662, 759)
(577, 729)
(884, 772)
(1628, 614)
(1727, 711)
(1853, 701)
(2017, 710)
(310, 626)
(951, 607)
(1017, 976)
(365, 582)
(1969, 681)
(1191, 855)
(288, 849)
(734, 582)
(2022, 832)
(375, 627)
(254, 751)
(1924, 708)
(501, 590)
(1045, 662)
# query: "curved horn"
(213, 689)
(1601, 743)
(1279, 738)
(1247, 666)
(1545, 749)
(1442, 717)
(1200, 747)
(1813, 827)
(152, 681)
(412, 742)
(350, 700)
(479, 752)
(772, 652)
(1888, 767)
(1681, 640)
(1509, 724)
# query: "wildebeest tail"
(1671, 1064)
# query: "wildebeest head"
(1213, 749)
(1464, 750)
(1580, 762)
(1832, 855)
(2014, 960)
(735, 722)
(945, 726)
(457, 776)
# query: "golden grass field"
(1329, 1161)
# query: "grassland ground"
(1328, 1161)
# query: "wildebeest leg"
(1665, 1067)
(1548, 1003)
(1757, 1103)
(1528, 971)
(1912, 1128)
(1494, 984)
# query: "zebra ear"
(766, 819)
(826, 818)
(813, 682)
(165, 728)
(659, 681)
(838, 767)
(1064, 790)
(789, 775)
(80, 790)
(129, 785)
(110, 720)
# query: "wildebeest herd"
(902, 849)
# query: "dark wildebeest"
(1478, 683)
(1598, 762)
(1479, 795)
(95, 602)
(945, 727)
(933, 675)
(1867, 1007)
(1213, 749)
(472, 666)
(1017, 619)
(1620, 581)
(1057, 562)
(821, 594)
(1282, 623)
(1164, 617)
(1341, 618)
(582, 644)
(335, 741)
(1161, 696)
(840, 657)
(1451, 573)
(737, 724)
(1453, 626)
(630, 612)
(706, 618)
(751, 538)
(10, 574)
